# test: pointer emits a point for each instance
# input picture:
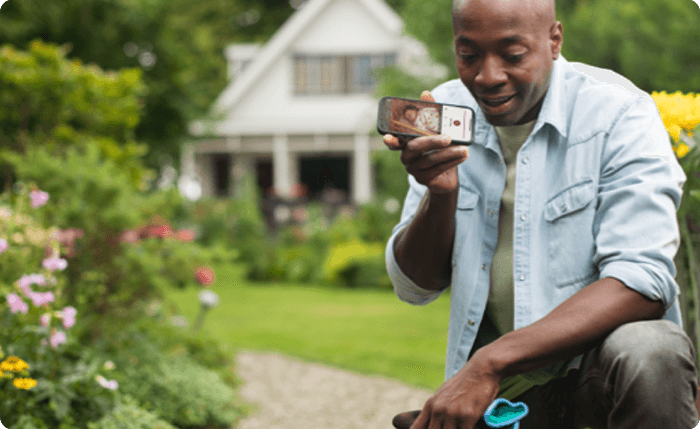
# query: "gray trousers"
(643, 375)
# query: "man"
(557, 236)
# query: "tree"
(177, 44)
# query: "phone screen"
(419, 118)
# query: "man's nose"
(491, 73)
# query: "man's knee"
(650, 343)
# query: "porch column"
(362, 172)
(187, 159)
(280, 165)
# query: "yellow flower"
(24, 383)
(678, 111)
(681, 150)
(13, 364)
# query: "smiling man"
(556, 235)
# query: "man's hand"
(461, 401)
(430, 159)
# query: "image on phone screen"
(418, 118)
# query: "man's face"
(505, 50)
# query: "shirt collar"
(553, 111)
(554, 106)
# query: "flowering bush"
(52, 381)
(681, 116)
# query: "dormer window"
(337, 74)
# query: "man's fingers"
(433, 159)
(422, 421)
(393, 142)
(427, 97)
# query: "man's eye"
(515, 58)
(467, 57)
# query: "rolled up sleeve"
(639, 194)
(407, 290)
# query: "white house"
(300, 109)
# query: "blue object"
(502, 413)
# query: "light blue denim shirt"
(597, 189)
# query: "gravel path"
(290, 393)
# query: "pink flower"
(39, 198)
(26, 281)
(69, 314)
(54, 264)
(40, 299)
(58, 338)
(45, 320)
(204, 275)
(37, 279)
(16, 304)
(108, 384)
(185, 235)
(3, 245)
(129, 236)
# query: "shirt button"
(471, 322)
(523, 217)
(563, 208)
(490, 212)
(522, 277)
(525, 160)
(483, 267)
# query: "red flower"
(204, 276)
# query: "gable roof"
(285, 36)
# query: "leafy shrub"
(127, 414)
(171, 385)
(355, 264)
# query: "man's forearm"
(423, 249)
(572, 328)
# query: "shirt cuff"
(405, 288)
(645, 282)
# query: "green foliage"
(171, 384)
(356, 264)
(127, 414)
(647, 42)
(55, 104)
(66, 393)
(189, 70)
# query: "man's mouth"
(496, 101)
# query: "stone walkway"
(290, 393)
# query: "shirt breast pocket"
(570, 242)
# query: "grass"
(364, 330)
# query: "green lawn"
(363, 330)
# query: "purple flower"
(110, 384)
(69, 314)
(37, 279)
(3, 245)
(16, 304)
(58, 338)
(39, 198)
(26, 281)
(54, 264)
(42, 298)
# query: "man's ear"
(556, 38)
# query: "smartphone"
(413, 118)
